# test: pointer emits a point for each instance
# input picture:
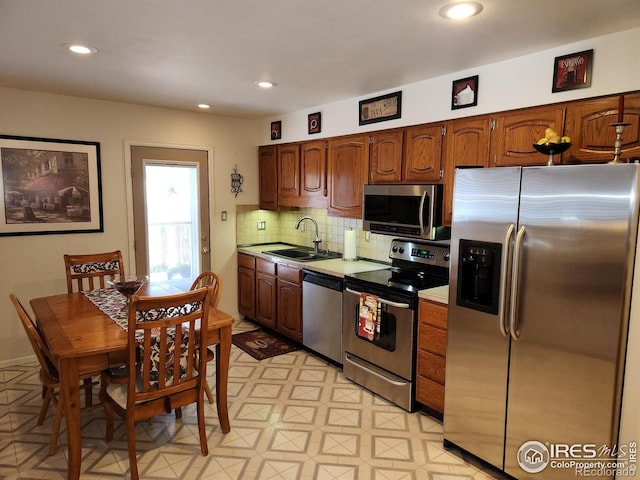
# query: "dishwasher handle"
(327, 281)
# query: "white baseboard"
(18, 361)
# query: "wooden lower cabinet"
(432, 345)
(271, 294)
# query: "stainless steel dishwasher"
(322, 314)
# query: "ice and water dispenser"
(479, 275)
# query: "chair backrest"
(90, 270)
(166, 335)
(209, 278)
(38, 344)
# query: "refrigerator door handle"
(515, 279)
(503, 281)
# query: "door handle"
(506, 255)
(515, 278)
(205, 250)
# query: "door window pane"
(171, 194)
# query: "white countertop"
(437, 294)
(335, 266)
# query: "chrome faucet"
(317, 240)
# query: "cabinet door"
(422, 151)
(289, 175)
(515, 133)
(348, 159)
(266, 300)
(386, 156)
(466, 144)
(247, 292)
(268, 177)
(290, 310)
(313, 174)
(592, 136)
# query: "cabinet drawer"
(432, 339)
(433, 313)
(247, 261)
(290, 274)
(265, 266)
(431, 366)
(430, 393)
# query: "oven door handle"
(383, 301)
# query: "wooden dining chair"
(203, 280)
(166, 336)
(48, 373)
(89, 271)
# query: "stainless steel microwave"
(413, 211)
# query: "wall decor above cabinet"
(314, 123)
(380, 109)
(464, 93)
(572, 71)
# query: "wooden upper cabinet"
(466, 144)
(592, 136)
(313, 174)
(515, 133)
(268, 177)
(422, 151)
(288, 174)
(386, 156)
(348, 167)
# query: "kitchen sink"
(302, 254)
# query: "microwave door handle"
(383, 301)
(421, 212)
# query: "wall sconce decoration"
(236, 181)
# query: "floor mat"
(261, 344)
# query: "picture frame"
(49, 186)
(276, 130)
(380, 109)
(314, 123)
(572, 71)
(464, 92)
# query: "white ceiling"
(178, 53)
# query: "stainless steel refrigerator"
(540, 285)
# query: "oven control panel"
(420, 252)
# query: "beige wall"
(37, 260)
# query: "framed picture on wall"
(572, 71)
(49, 186)
(276, 130)
(464, 93)
(380, 109)
(314, 122)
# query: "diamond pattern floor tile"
(293, 417)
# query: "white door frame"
(129, 191)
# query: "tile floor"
(293, 417)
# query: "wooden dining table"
(85, 340)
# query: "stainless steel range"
(380, 318)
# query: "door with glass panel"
(171, 212)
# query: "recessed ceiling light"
(460, 10)
(203, 106)
(81, 49)
(264, 84)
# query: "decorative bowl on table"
(127, 285)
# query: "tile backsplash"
(280, 227)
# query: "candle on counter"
(621, 109)
(349, 245)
